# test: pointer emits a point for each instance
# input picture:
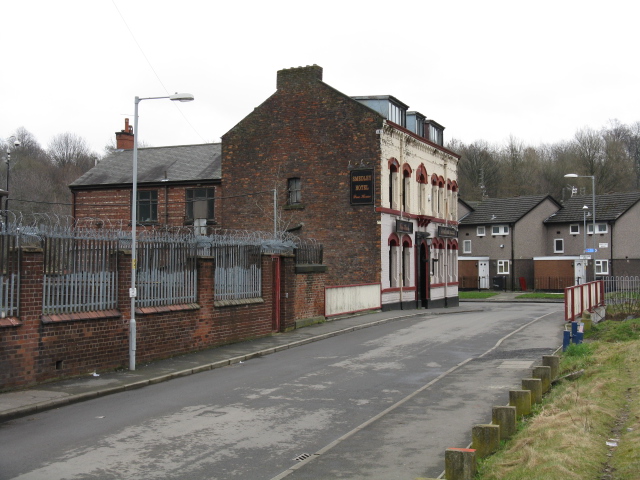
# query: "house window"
(480, 231)
(558, 245)
(147, 206)
(500, 230)
(503, 267)
(600, 228)
(574, 229)
(466, 246)
(199, 203)
(602, 267)
(295, 193)
(397, 114)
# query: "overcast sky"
(484, 69)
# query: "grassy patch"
(473, 295)
(555, 296)
(566, 438)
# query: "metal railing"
(9, 274)
(80, 275)
(238, 272)
(166, 272)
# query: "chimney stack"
(124, 138)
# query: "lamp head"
(585, 208)
(571, 175)
(181, 97)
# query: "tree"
(70, 149)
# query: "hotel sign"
(362, 187)
(404, 227)
(447, 232)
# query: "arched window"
(394, 247)
(394, 167)
(421, 178)
(406, 188)
(407, 248)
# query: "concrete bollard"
(485, 439)
(552, 361)
(459, 464)
(521, 399)
(544, 374)
(534, 385)
(505, 418)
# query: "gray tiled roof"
(175, 164)
(608, 207)
(503, 210)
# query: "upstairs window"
(574, 229)
(397, 114)
(466, 246)
(600, 228)
(147, 208)
(500, 230)
(295, 192)
(199, 203)
(480, 231)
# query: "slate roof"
(609, 207)
(184, 163)
(503, 210)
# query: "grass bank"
(588, 428)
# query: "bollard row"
(461, 463)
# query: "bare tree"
(70, 149)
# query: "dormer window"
(397, 114)
(436, 132)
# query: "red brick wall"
(41, 348)
(115, 204)
(309, 130)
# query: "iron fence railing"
(80, 275)
(238, 272)
(9, 274)
(166, 272)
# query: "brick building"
(177, 185)
(364, 176)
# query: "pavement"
(20, 403)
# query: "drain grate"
(302, 456)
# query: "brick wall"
(115, 204)
(308, 130)
(37, 348)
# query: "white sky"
(484, 69)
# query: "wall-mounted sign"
(404, 227)
(362, 187)
(603, 245)
(445, 231)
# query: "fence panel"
(582, 297)
(166, 273)
(9, 274)
(238, 273)
(80, 275)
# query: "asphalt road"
(382, 402)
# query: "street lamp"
(16, 144)
(593, 212)
(177, 97)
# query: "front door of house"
(483, 274)
(580, 272)
(423, 275)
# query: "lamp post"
(584, 226)
(177, 97)
(16, 144)
(593, 212)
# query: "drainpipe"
(513, 256)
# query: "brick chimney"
(124, 138)
(300, 76)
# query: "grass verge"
(555, 296)
(477, 294)
(585, 428)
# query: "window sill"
(181, 307)
(242, 301)
(7, 322)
